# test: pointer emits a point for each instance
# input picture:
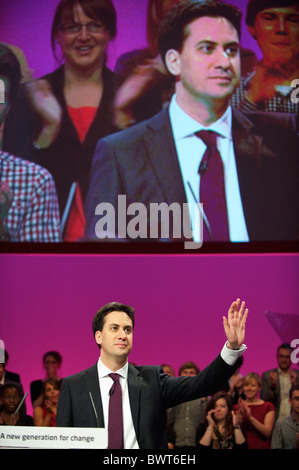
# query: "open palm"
(234, 324)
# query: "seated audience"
(45, 415)
(221, 428)
(258, 416)
(10, 397)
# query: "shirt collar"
(184, 125)
(104, 371)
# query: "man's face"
(277, 33)
(116, 338)
(208, 67)
(294, 402)
(284, 359)
(189, 372)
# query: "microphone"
(111, 391)
(94, 409)
(18, 408)
(203, 167)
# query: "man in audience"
(274, 24)
(286, 430)
(277, 382)
(242, 168)
(185, 418)
(28, 200)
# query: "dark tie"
(212, 191)
(115, 418)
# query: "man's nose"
(281, 25)
(222, 59)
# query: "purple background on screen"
(48, 302)
(27, 24)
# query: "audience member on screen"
(221, 428)
(51, 361)
(276, 383)
(134, 410)
(185, 418)
(45, 415)
(258, 416)
(254, 170)
(144, 85)
(28, 201)
(286, 430)
(67, 111)
(274, 24)
(11, 395)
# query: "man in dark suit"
(162, 160)
(147, 391)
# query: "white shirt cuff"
(230, 356)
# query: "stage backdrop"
(47, 302)
(27, 24)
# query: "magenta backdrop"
(27, 24)
(48, 302)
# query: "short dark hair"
(189, 365)
(173, 28)
(57, 356)
(96, 9)
(254, 7)
(98, 320)
(292, 389)
(284, 346)
(10, 69)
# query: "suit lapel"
(92, 385)
(134, 384)
(161, 152)
(247, 149)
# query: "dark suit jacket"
(151, 392)
(142, 163)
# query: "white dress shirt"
(190, 150)
(130, 440)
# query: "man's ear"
(98, 337)
(173, 62)
(252, 31)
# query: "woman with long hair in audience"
(45, 415)
(67, 111)
(221, 429)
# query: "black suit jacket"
(151, 392)
(142, 163)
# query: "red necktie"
(212, 191)
(115, 418)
